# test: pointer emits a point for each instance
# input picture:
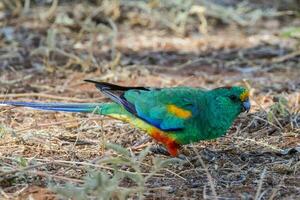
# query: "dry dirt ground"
(42, 151)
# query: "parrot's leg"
(157, 149)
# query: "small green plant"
(291, 32)
(3, 130)
(106, 184)
(279, 109)
(22, 162)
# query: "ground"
(45, 56)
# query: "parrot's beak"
(246, 105)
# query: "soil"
(47, 62)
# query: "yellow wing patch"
(244, 95)
(120, 117)
(179, 112)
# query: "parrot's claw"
(163, 151)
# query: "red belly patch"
(171, 145)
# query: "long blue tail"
(66, 107)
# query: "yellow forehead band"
(244, 95)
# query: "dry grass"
(47, 52)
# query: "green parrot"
(172, 116)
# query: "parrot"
(173, 116)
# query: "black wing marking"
(116, 93)
(108, 86)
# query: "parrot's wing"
(166, 109)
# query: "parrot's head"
(231, 100)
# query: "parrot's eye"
(233, 98)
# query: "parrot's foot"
(159, 150)
(163, 151)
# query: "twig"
(175, 174)
(78, 163)
(51, 124)
(24, 169)
(72, 56)
(4, 194)
(286, 57)
(262, 176)
(40, 173)
(259, 143)
(11, 82)
(259, 118)
(81, 125)
(50, 13)
(210, 179)
(275, 190)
